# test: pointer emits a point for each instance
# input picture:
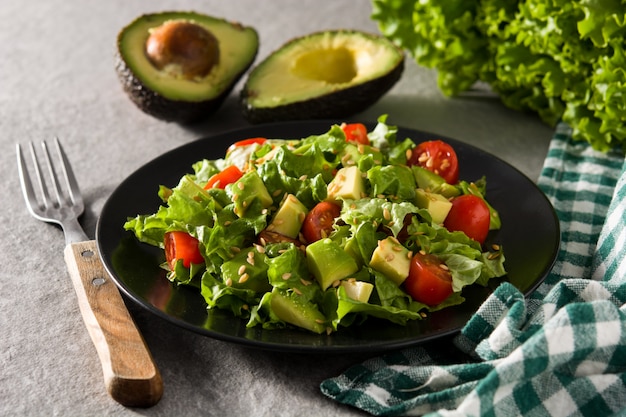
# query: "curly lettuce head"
(562, 59)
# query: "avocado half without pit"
(330, 74)
(180, 66)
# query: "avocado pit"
(182, 49)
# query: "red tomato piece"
(183, 246)
(247, 142)
(469, 214)
(318, 222)
(429, 280)
(356, 133)
(222, 179)
(437, 156)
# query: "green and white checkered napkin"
(559, 352)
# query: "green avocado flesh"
(172, 97)
(327, 74)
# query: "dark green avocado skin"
(178, 111)
(340, 104)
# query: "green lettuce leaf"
(562, 59)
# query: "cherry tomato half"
(429, 280)
(222, 179)
(356, 133)
(181, 245)
(437, 156)
(318, 222)
(469, 214)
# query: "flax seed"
(336, 283)
(241, 270)
(277, 193)
(286, 276)
(297, 291)
(235, 249)
(229, 282)
(495, 247)
(389, 257)
(444, 267)
(244, 278)
(386, 214)
(305, 282)
(241, 185)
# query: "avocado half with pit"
(330, 74)
(180, 66)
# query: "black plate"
(530, 236)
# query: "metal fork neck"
(74, 232)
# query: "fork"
(130, 374)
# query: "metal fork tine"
(68, 175)
(52, 175)
(27, 185)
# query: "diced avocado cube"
(290, 308)
(347, 184)
(392, 259)
(437, 205)
(358, 290)
(247, 190)
(363, 156)
(352, 248)
(289, 218)
(431, 182)
(192, 189)
(247, 270)
(328, 262)
(349, 155)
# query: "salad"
(326, 231)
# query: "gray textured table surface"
(57, 78)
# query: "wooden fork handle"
(130, 374)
